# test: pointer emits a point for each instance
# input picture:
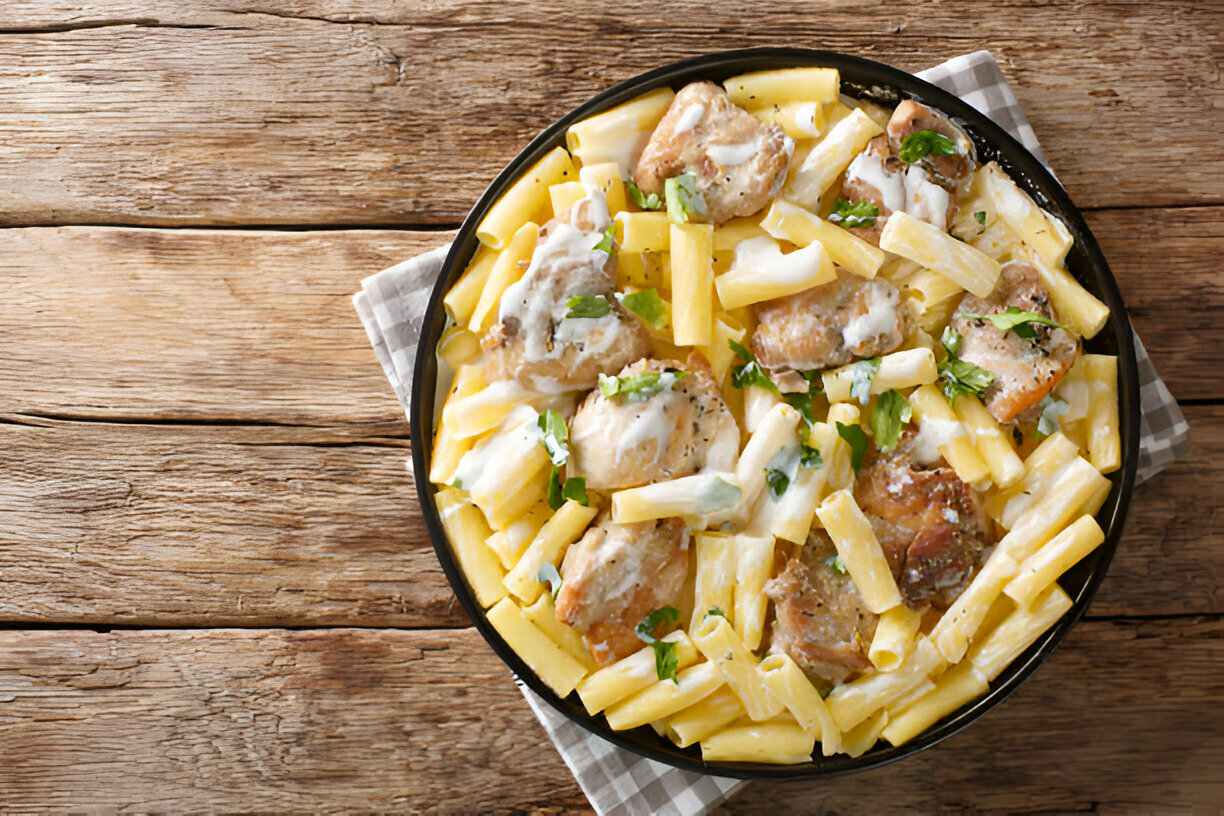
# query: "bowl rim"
(873, 80)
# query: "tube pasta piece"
(526, 201)
(997, 240)
(790, 222)
(479, 412)
(460, 302)
(935, 297)
(553, 664)
(799, 120)
(719, 353)
(1075, 306)
(714, 582)
(778, 743)
(1074, 390)
(838, 465)
(859, 550)
(467, 530)
(761, 272)
(894, 637)
(715, 638)
(502, 495)
(830, 157)
(543, 615)
(1053, 454)
(1043, 567)
(510, 542)
(754, 563)
(1043, 232)
(631, 674)
(900, 370)
(509, 267)
(703, 718)
(504, 512)
(851, 703)
(692, 284)
(449, 448)
(665, 698)
(1071, 492)
(605, 176)
(859, 739)
(991, 442)
(729, 235)
(786, 681)
(790, 518)
(935, 417)
(964, 617)
(563, 529)
(458, 347)
(762, 88)
(758, 402)
(935, 249)
(643, 231)
(1104, 441)
(620, 134)
(1019, 630)
(958, 686)
(565, 195)
(775, 431)
(699, 495)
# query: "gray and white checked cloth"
(392, 304)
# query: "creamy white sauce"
(689, 118)
(931, 434)
(650, 423)
(880, 319)
(763, 256)
(924, 199)
(731, 155)
(950, 515)
(868, 167)
(805, 120)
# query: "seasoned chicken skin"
(617, 442)
(878, 176)
(616, 575)
(533, 341)
(1025, 370)
(952, 172)
(739, 161)
(822, 622)
(830, 324)
(928, 522)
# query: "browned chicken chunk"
(533, 341)
(1025, 369)
(739, 161)
(831, 324)
(616, 575)
(953, 171)
(623, 441)
(877, 176)
(822, 622)
(928, 522)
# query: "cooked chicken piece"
(928, 522)
(876, 175)
(952, 172)
(1025, 370)
(616, 575)
(534, 342)
(822, 622)
(738, 160)
(831, 324)
(619, 442)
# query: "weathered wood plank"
(413, 720)
(257, 326)
(217, 526)
(263, 112)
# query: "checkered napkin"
(392, 305)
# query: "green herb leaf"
(889, 416)
(547, 574)
(666, 661)
(608, 242)
(963, 377)
(684, 200)
(802, 402)
(834, 562)
(554, 436)
(778, 481)
(980, 215)
(639, 387)
(750, 373)
(664, 616)
(717, 494)
(810, 457)
(587, 306)
(952, 341)
(857, 440)
(556, 497)
(646, 202)
(647, 305)
(457, 484)
(854, 214)
(922, 143)
(714, 610)
(862, 375)
(1051, 410)
(575, 490)
(1015, 319)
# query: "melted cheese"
(689, 118)
(869, 169)
(879, 319)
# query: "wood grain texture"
(265, 112)
(229, 525)
(395, 720)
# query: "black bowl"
(880, 83)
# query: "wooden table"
(216, 592)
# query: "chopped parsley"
(852, 214)
(750, 372)
(980, 215)
(963, 377)
(810, 457)
(647, 305)
(684, 201)
(457, 484)
(862, 374)
(889, 416)
(666, 661)
(1015, 319)
(714, 610)
(608, 242)
(554, 436)
(922, 143)
(778, 481)
(952, 341)
(802, 401)
(1051, 410)
(857, 440)
(570, 490)
(547, 574)
(646, 202)
(587, 306)
(639, 387)
(834, 562)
